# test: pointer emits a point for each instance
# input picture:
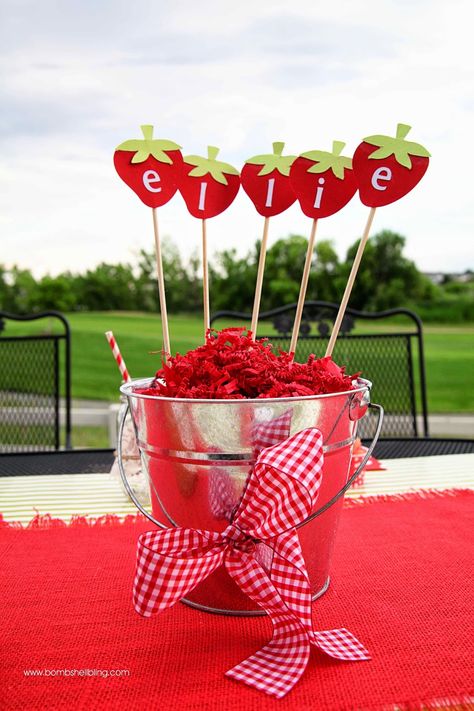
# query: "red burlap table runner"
(400, 582)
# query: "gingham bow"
(280, 493)
(223, 493)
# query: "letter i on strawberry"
(152, 168)
(266, 180)
(386, 168)
(208, 187)
(324, 183)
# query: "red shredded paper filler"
(230, 365)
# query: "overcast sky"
(78, 78)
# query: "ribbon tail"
(278, 666)
(170, 564)
(340, 644)
(288, 564)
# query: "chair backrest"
(35, 371)
(387, 353)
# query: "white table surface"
(63, 495)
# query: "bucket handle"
(123, 475)
(321, 510)
(358, 471)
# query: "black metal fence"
(35, 383)
(392, 360)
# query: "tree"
(283, 270)
(386, 278)
(22, 291)
(182, 281)
(107, 287)
(5, 290)
(324, 278)
(232, 280)
(55, 293)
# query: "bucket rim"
(127, 389)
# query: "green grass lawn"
(448, 355)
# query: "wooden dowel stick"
(161, 285)
(205, 281)
(258, 285)
(303, 287)
(350, 283)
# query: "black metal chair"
(35, 371)
(393, 360)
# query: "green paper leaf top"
(330, 161)
(398, 146)
(273, 161)
(149, 146)
(210, 166)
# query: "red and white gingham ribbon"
(223, 497)
(280, 493)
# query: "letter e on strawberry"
(387, 168)
(150, 166)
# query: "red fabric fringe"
(406, 496)
(455, 703)
(399, 579)
(45, 521)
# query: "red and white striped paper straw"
(117, 355)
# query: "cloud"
(79, 78)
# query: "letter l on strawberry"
(208, 186)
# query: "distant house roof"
(440, 277)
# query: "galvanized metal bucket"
(198, 454)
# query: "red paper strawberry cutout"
(266, 181)
(388, 168)
(207, 185)
(150, 166)
(323, 182)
